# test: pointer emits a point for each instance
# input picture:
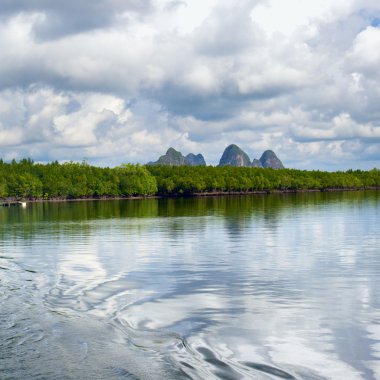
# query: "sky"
(117, 81)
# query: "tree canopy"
(27, 179)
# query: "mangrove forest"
(71, 180)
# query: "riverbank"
(285, 191)
(7, 200)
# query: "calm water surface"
(262, 287)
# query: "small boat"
(14, 203)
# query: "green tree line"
(199, 179)
(27, 179)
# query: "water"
(261, 287)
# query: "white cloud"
(184, 17)
(298, 78)
(365, 53)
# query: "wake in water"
(54, 337)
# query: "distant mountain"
(234, 156)
(172, 158)
(175, 158)
(270, 160)
(195, 160)
(256, 163)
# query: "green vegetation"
(26, 179)
(189, 180)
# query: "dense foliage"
(27, 179)
(73, 180)
(188, 180)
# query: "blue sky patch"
(375, 22)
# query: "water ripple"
(249, 288)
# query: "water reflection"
(263, 287)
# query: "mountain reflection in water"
(250, 287)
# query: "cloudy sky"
(114, 81)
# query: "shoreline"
(287, 191)
(204, 194)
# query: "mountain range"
(232, 156)
(175, 158)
